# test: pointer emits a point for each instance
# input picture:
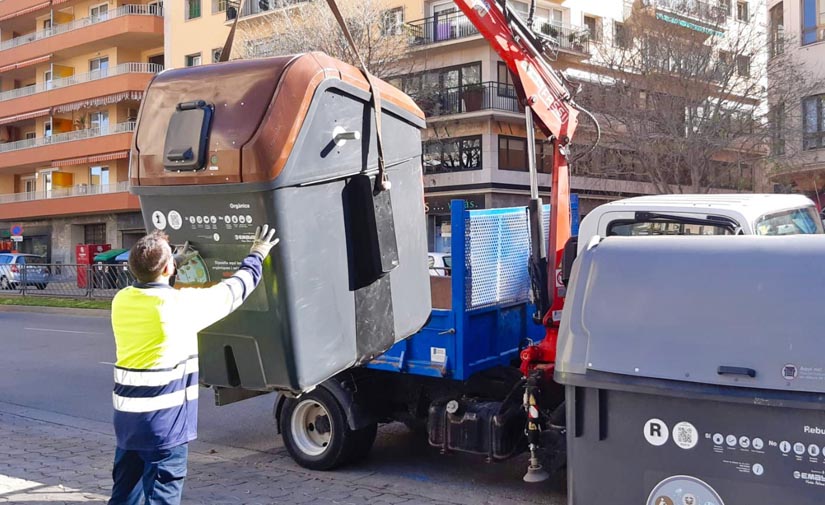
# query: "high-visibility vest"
(156, 373)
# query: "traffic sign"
(17, 238)
(17, 230)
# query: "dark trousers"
(156, 475)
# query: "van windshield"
(802, 221)
(637, 228)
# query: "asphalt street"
(57, 369)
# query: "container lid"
(257, 108)
(711, 310)
(109, 255)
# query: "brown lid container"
(260, 106)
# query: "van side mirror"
(568, 256)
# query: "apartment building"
(797, 33)
(474, 146)
(72, 74)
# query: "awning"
(57, 2)
(99, 101)
(33, 8)
(27, 63)
(27, 115)
(83, 160)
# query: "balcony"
(33, 152)
(254, 8)
(143, 21)
(441, 28)
(486, 96)
(694, 15)
(123, 77)
(76, 200)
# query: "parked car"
(441, 264)
(15, 267)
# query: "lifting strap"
(382, 182)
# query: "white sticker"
(785, 446)
(718, 439)
(731, 440)
(656, 432)
(758, 444)
(216, 237)
(758, 469)
(175, 221)
(744, 442)
(559, 281)
(159, 220)
(438, 355)
(557, 315)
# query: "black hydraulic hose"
(598, 133)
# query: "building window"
(725, 6)
(452, 155)
(813, 21)
(99, 67)
(621, 36)
(193, 9)
(504, 84)
(743, 65)
(813, 122)
(219, 6)
(392, 21)
(100, 120)
(776, 37)
(99, 176)
(776, 118)
(31, 135)
(193, 60)
(94, 233)
(742, 11)
(99, 12)
(594, 27)
(512, 155)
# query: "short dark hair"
(149, 256)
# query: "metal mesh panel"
(63, 280)
(498, 250)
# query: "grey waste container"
(694, 371)
(289, 141)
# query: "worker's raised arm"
(210, 305)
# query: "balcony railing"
(60, 138)
(471, 98)
(692, 9)
(440, 28)
(255, 7)
(125, 10)
(124, 68)
(570, 38)
(78, 190)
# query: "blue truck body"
(490, 314)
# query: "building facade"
(797, 33)
(474, 146)
(72, 74)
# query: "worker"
(156, 374)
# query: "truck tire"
(315, 431)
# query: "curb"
(66, 311)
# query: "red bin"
(85, 254)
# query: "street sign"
(17, 230)
(17, 238)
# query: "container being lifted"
(289, 141)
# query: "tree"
(683, 96)
(301, 26)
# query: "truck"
(339, 328)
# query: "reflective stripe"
(143, 405)
(155, 377)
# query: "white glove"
(264, 241)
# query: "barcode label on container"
(438, 355)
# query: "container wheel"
(316, 433)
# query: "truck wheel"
(315, 431)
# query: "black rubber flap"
(371, 232)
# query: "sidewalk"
(51, 459)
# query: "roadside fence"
(65, 280)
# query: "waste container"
(290, 141)
(106, 269)
(85, 254)
(694, 371)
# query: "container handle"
(736, 370)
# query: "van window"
(790, 222)
(5, 260)
(636, 228)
